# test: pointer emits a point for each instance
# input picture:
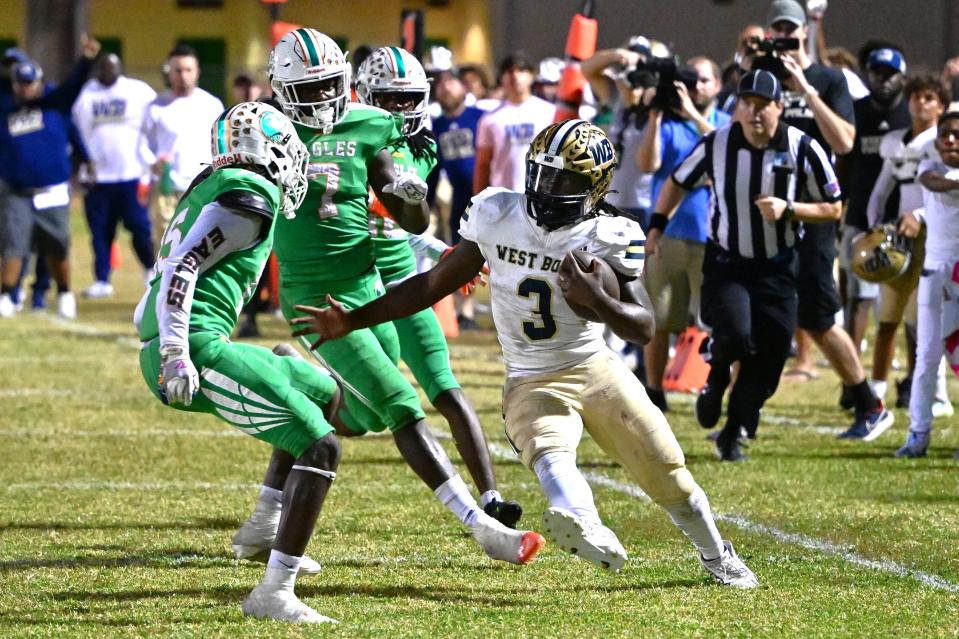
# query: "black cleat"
(730, 452)
(658, 397)
(506, 512)
(709, 405)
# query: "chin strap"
(329, 474)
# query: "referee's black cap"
(761, 83)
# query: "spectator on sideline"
(881, 111)
(939, 176)
(175, 140)
(504, 134)
(36, 136)
(818, 103)
(744, 45)
(674, 263)
(479, 90)
(109, 115)
(548, 75)
(902, 150)
(245, 89)
(784, 178)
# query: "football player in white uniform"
(561, 377)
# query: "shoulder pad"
(246, 201)
(494, 201)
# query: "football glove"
(410, 188)
(179, 381)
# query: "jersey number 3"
(546, 327)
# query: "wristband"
(658, 221)
(790, 211)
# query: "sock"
(942, 394)
(7, 290)
(456, 497)
(281, 570)
(695, 519)
(63, 288)
(488, 496)
(270, 496)
(564, 486)
(866, 400)
(879, 387)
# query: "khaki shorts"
(674, 280)
(546, 413)
(897, 298)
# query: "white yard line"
(810, 543)
(121, 433)
(125, 485)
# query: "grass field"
(116, 515)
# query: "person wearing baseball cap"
(782, 177)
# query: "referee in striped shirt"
(767, 180)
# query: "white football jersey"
(537, 330)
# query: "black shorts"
(818, 295)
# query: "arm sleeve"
(839, 99)
(180, 271)
(822, 184)
(78, 150)
(63, 97)
(427, 246)
(883, 188)
(691, 172)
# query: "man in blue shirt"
(36, 137)
(674, 251)
(455, 132)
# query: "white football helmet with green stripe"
(255, 134)
(392, 79)
(311, 78)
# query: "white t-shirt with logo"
(178, 127)
(941, 214)
(109, 119)
(536, 328)
(508, 130)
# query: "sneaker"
(869, 426)
(658, 397)
(709, 405)
(903, 388)
(730, 452)
(592, 541)
(505, 544)
(99, 290)
(7, 307)
(67, 305)
(255, 538)
(270, 602)
(729, 570)
(917, 444)
(506, 512)
(942, 408)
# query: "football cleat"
(504, 544)
(255, 538)
(869, 426)
(917, 445)
(280, 604)
(506, 512)
(730, 452)
(594, 542)
(729, 570)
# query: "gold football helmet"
(881, 254)
(569, 166)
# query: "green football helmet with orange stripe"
(393, 79)
(257, 136)
(569, 167)
(311, 78)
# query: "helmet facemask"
(408, 106)
(392, 79)
(556, 197)
(318, 103)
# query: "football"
(587, 262)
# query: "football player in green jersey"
(211, 257)
(394, 80)
(327, 250)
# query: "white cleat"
(67, 306)
(505, 544)
(594, 542)
(7, 307)
(266, 602)
(729, 570)
(254, 541)
(99, 290)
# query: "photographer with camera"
(745, 44)
(674, 251)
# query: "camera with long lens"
(767, 55)
(662, 73)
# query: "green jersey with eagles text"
(329, 238)
(223, 282)
(394, 256)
